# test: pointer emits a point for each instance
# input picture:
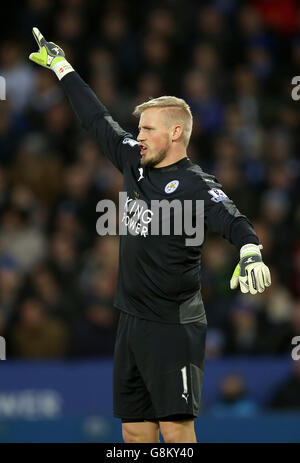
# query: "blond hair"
(178, 113)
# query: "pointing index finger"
(38, 36)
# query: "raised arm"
(117, 144)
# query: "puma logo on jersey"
(141, 173)
(130, 141)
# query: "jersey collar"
(172, 167)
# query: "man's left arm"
(223, 217)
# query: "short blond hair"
(179, 113)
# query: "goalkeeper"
(160, 344)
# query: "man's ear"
(177, 132)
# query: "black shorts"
(158, 369)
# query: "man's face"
(154, 136)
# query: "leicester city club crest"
(171, 186)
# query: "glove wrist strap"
(62, 68)
(250, 249)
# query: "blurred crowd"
(236, 399)
(233, 62)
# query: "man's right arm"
(114, 142)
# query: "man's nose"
(141, 137)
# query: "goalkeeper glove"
(50, 56)
(251, 273)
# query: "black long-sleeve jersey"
(159, 275)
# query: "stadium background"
(233, 62)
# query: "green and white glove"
(251, 273)
(50, 56)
